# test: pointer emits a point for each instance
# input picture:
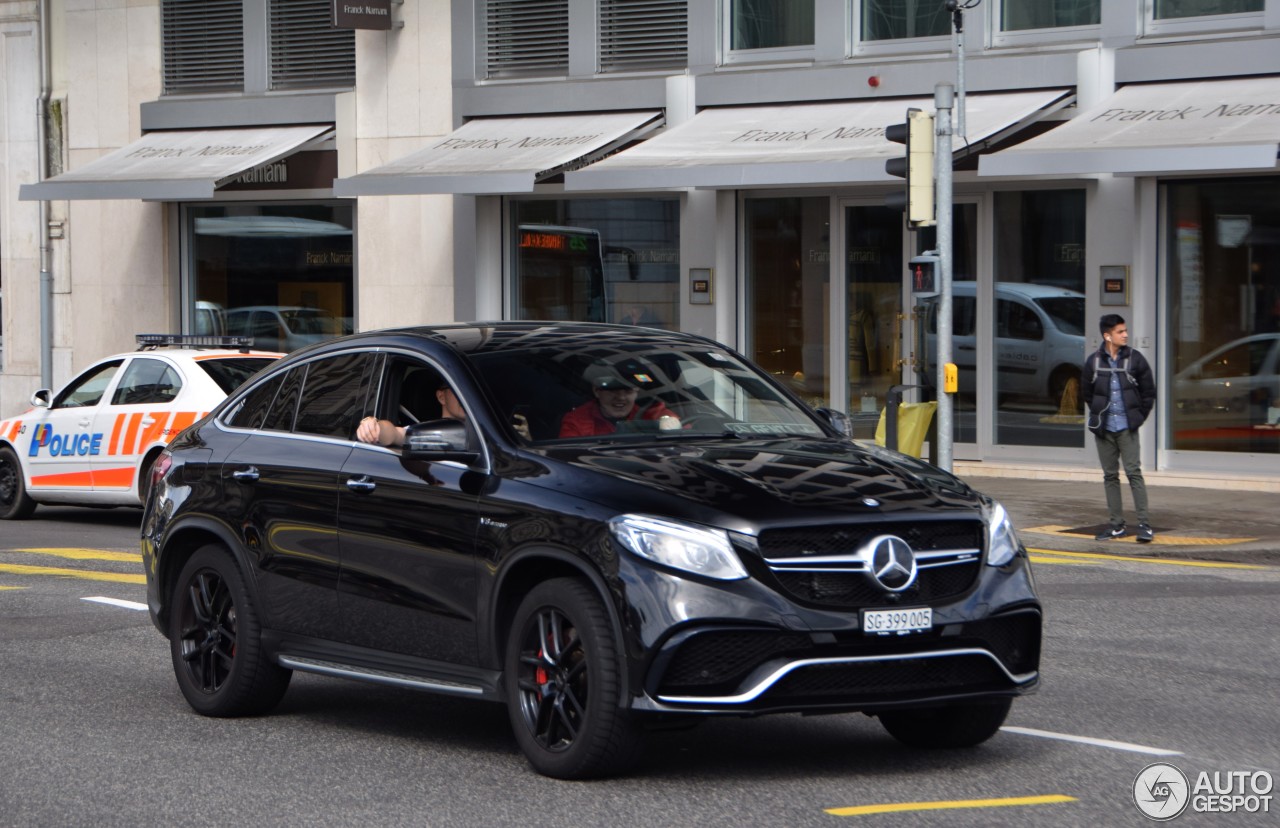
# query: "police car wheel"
(15, 503)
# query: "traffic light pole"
(942, 100)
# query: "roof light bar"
(193, 341)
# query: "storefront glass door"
(877, 334)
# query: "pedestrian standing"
(1120, 392)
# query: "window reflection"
(770, 24)
(281, 273)
(788, 284)
(1223, 250)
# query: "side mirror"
(838, 420)
(40, 399)
(436, 440)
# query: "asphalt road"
(1144, 662)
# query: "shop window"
(281, 273)
(1039, 342)
(1022, 15)
(643, 34)
(1175, 9)
(524, 37)
(788, 278)
(596, 260)
(770, 24)
(1222, 246)
(896, 20)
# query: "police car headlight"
(695, 549)
(1002, 541)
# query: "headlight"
(1002, 541)
(701, 551)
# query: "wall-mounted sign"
(307, 170)
(361, 14)
(700, 285)
(1115, 285)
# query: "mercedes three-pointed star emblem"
(892, 563)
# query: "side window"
(148, 381)
(1017, 321)
(334, 395)
(88, 388)
(253, 407)
(409, 392)
(283, 410)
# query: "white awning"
(1153, 128)
(827, 143)
(502, 155)
(177, 165)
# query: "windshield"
(1067, 313)
(603, 393)
(230, 372)
(309, 321)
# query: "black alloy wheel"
(15, 503)
(951, 726)
(563, 684)
(215, 640)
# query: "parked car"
(718, 550)
(1039, 341)
(283, 328)
(1236, 385)
(93, 443)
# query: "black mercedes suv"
(605, 528)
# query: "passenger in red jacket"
(614, 402)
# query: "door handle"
(249, 475)
(361, 484)
(146, 421)
(85, 423)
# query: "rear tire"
(951, 726)
(15, 503)
(563, 684)
(215, 640)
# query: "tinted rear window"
(231, 372)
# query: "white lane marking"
(1085, 740)
(116, 602)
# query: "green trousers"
(1114, 449)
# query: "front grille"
(847, 583)
(883, 681)
(717, 662)
(1013, 638)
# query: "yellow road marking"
(1062, 561)
(2, 587)
(1099, 556)
(944, 805)
(1161, 540)
(87, 574)
(85, 554)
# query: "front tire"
(15, 503)
(215, 639)
(563, 684)
(951, 726)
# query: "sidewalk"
(1209, 522)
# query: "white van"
(1039, 343)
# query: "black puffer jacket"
(1137, 387)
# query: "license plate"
(897, 621)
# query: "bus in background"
(560, 273)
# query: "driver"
(614, 401)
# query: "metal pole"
(959, 21)
(42, 160)
(942, 99)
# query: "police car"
(94, 442)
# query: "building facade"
(717, 167)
